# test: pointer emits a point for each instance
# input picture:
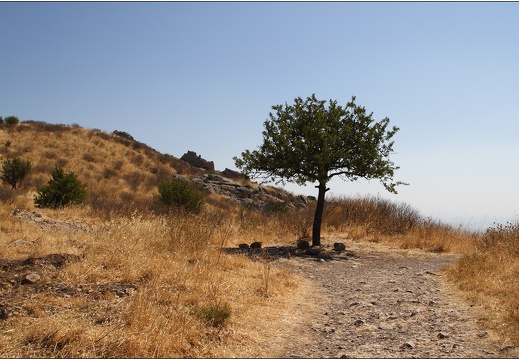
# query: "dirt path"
(381, 302)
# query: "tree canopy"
(311, 141)
(14, 171)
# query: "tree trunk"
(318, 217)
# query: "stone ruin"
(197, 161)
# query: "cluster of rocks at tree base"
(197, 161)
(252, 197)
(252, 246)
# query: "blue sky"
(203, 77)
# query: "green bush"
(180, 193)
(14, 171)
(11, 120)
(61, 190)
(215, 315)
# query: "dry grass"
(380, 220)
(180, 274)
(489, 277)
(193, 300)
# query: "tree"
(61, 190)
(11, 120)
(14, 171)
(311, 142)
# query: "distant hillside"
(122, 174)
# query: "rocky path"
(381, 302)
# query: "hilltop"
(121, 173)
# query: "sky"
(203, 76)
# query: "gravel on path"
(382, 302)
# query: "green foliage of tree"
(11, 120)
(311, 142)
(14, 171)
(180, 193)
(61, 190)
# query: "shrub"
(180, 193)
(14, 171)
(61, 190)
(11, 120)
(215, 315)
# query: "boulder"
(339, 247)
(197, 161)
(255, 245)
(123, 134)
(303, 244)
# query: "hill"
(122, 174)
(122, 277)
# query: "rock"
(19, 242)
(4, 314)
(252, 197)
(408, 345)
(359, 322)
(244, 246)
(123, 134)
(231, 174)
(31, 278)
(303, 244)
(197, 161)
(313, 251)
(255, 245)
(339, 247)
(442, 335)
(507, 347)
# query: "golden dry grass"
(184, 281)
(176, 260)
(178, 268)
(489, 277)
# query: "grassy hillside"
(121, 174)
(139, 281)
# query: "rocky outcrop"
(232, 174)
(197, 161)
(123, 134)
(256, 197)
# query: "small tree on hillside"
(11, 120)
(61, 190)
(311, 142)
(14, 171)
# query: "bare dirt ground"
(382, 302)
